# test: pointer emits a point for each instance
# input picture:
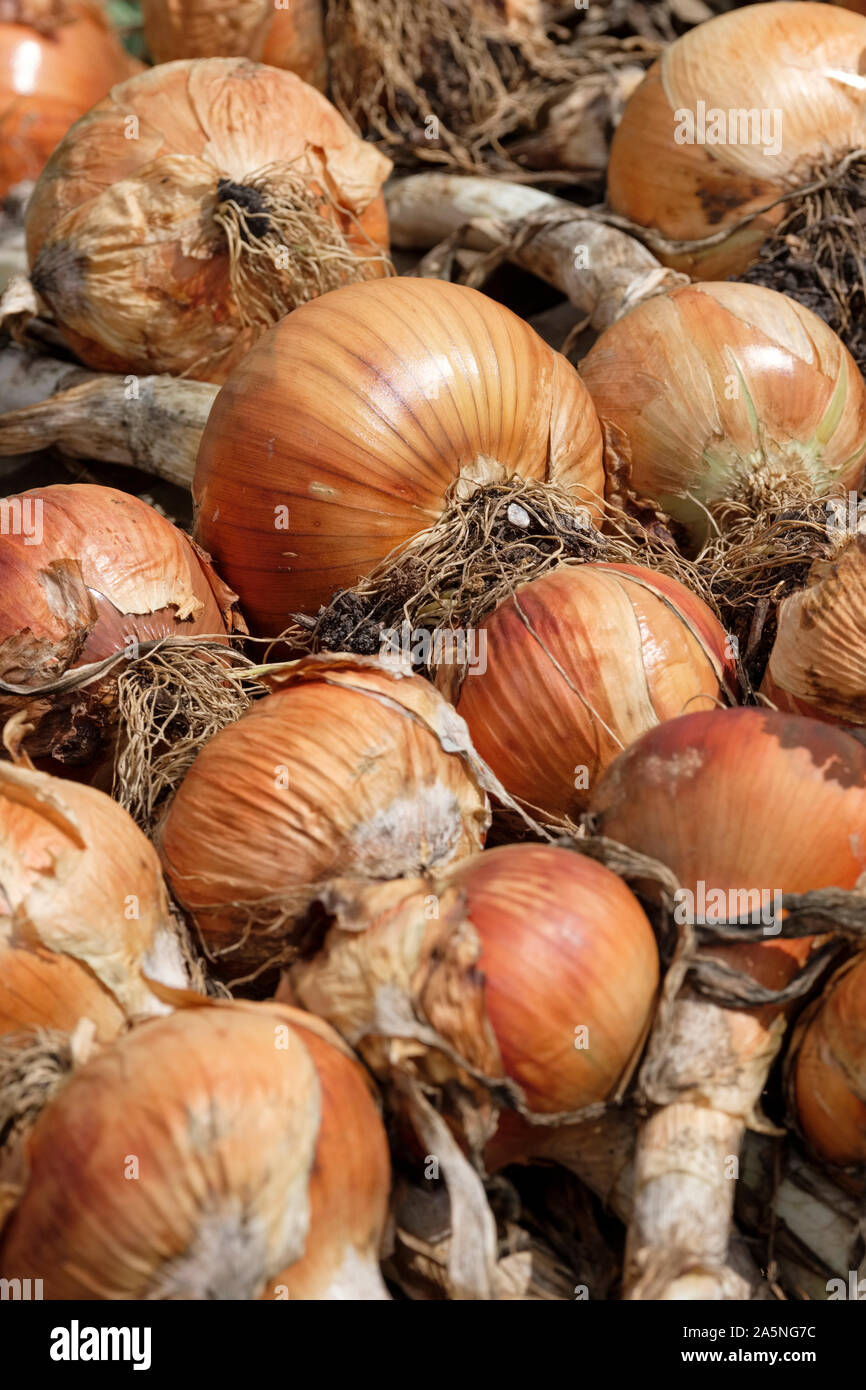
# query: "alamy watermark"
(711, 125)
(457, 646)
(22, 516)
(720, 906)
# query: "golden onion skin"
(41, 989)
(579, 664)
(159, 1172)
(358, 413)
(817, 664)
(50, 76)
(528, 945)
(120, 230)
(828, 1075)
(344, 772)
(564, 945)
(292, 37)
(726, 391)
(787, 57)
(79, 878)
(742, 798)
(91, 572)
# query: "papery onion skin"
(40, 989)
(49, 76)
(726, 391)
(85, 573)
(339, 773)
(159, 1172)
(357, 414)
(120, 230)
(817, 665)
(743, 798)
(745, 802)
(79, 877)
(584, 947)
(290, 37)
(804, 61)
(530, 945)
(828, 1081)
(638, 647)
(349, 1198)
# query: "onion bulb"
(201, 1156)
(726, 393)
(195, 206)
(817, 664)
(528, 965)
(78, 877)
(358, 416)
(57, 57)
(735, 113)
(287, 35)
(87, 572)
(827, 1068)
(577, 665)
(350, 769)
(743, 806)
(42, 989)
(742, 799)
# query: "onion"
(528, 964)
(41, 989)
(291, 36)
(161, 1172)
(57, 57)
(358, 416)
(577, 665)
(793, 66)
(350, 769)
(817, 664)
(742, 805)
(720, 773)
(79, 878)
(88, 572)
(723, 395)
(827, 1068)
(192, 208)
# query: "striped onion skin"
(805, 59)
(579, 664)
(237, 1180)
(727, 392)
(41, 989)
(818, 662)
(358, 413)
(742, 799)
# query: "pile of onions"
(726, 393)
(529, 965)
(87, 572)
(289, 35)
(741, 805)
(817, 664)
(79, 878)
(57, 57)
(798, 64)
(577, 665)
(827, 1068)
(201, 1156)
(358, 415)
(350, 769)
(192, 208)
